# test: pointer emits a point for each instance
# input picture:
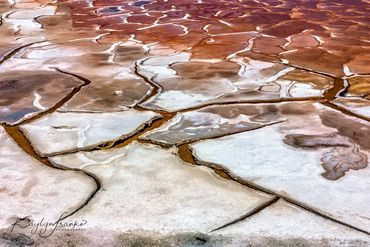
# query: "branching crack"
(66, 98)
(254, 211)
(21, 140)
(195, 139)
(112, 143)
(226, 173)
(17, 135)
(345, 111)
(236, 102)
(156, 88)
(184, 151)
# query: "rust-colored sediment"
(332, 93)
(21, 140)
(17, 135)
(321, 36)
(155, 124)
(66, 98)
(227, 34)
(185, 154)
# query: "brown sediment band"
(25, 145)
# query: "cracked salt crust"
(89, 60)
(213, 121)
(30, 188)
(261, 157)
(283, 222)
(356, 105)
(26, 93)
(194, 83)
(62, 132)
(150, 188)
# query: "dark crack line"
(289, 64)
(36, 19)
(21, 140)
(297, 66)
(254, 211)
(12, 52)
(156, 88)
(346, 86)
(1, 19)
(236, 102)
(190, 141)
(309, 70)
(18, 136)
(188, 157)
(9, 13)
(254, 186)
(61, 102)
(267, 101)
(335, 90)
(97, 182)
(345, 111)
(332, 94)
(108, 144)
(339, 87)
(150, 126)
(280, 61)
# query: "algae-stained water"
(185, 123)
